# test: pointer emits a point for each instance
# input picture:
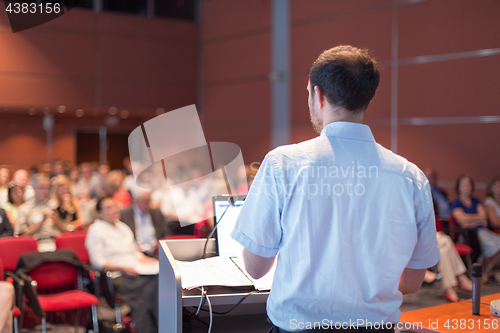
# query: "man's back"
(343, 215)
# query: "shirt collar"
(348, 130)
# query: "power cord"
(231, 200)
(234, 307)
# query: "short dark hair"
(348, 77)
(98, 205)
(10, 191)
(457, 185)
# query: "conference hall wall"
(132, 67)
(440, 64)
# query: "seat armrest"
(107, 288)
(18, 286)
(32, 295)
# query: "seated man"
(35, 217)
(111, 246)
(147, 224)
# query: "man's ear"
(319, 96)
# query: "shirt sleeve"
(455, 204)
(258, 227)
(95, 248)
(426, 252)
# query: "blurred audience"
(469, 213)
(67, 207)
(96, 182)
(6, 228)
(122, 195)
(35, 217)
(492, 203)
(21, 177)
(82, 187)
(4, 180)
(439, 196)
(15, 195)
(147, 224)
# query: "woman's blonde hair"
(59, 181)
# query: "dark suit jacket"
(5, 227)
(127, 216)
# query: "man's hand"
(129, 271)
(147, 259)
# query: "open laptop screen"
(226, 246)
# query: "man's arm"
(256, 265)
(411, 280)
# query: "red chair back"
(454, 227)
(11, 249)
(74, 241)
(53, 275)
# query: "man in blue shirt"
(352, 223)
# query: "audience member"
(96, 190)
(73, 175)
(57, 168)
(4, 179)
(111, 246)
(492, 203)
(470, 215)
(147, 224)
(7, 297)
(122, 196)
(21, 177)
(89, 210)
(15, 195)
(68, 208)
(35, 217)
(6, 228)
(439, 196)
(82, 187)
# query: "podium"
(172, 298)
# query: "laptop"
(227, 246)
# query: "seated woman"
(450, 266)
(15, 196)
(492, 203)
(470, 215)
(64, 204)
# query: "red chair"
(74, 241)
(11, 249)
(50, 275)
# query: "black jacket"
(127, 216)
(6, 229)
